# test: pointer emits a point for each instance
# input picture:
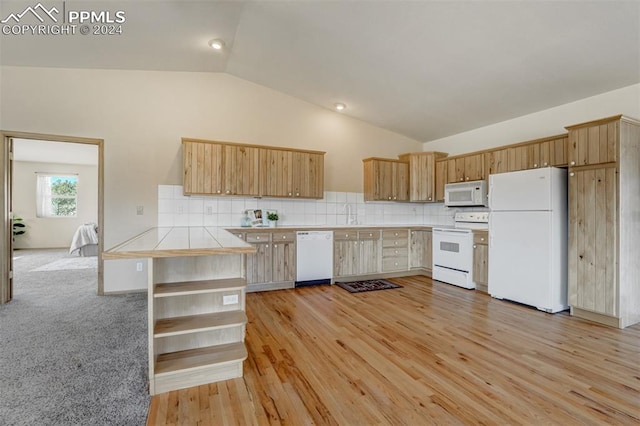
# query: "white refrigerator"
(528, 238)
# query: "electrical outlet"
(139, 266)
(140, 210)
(209, 210)
(231, 299)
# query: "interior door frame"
(6, 176)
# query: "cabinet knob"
(395, 243)
(284, 237)
(535, 165)
(545, 164)
(257, 238)
(346, 235)
(481, 238)
(219, 191)
(290, 194)
(474, 246)
(267, 246)
(389, 197)
(429, 198)
(227, 192)
(467, 177)
(395, 263)
(275, 245)
(572, 174)
(461, 179)
(396, 251)
(297, 194)
(573, 163)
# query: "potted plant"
(273, 219)
(19, 228)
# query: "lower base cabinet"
(421, 250)
(356, 252)
(481, 260)
(273, 265)
(395, 250)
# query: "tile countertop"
(211, 240)
(326, 227)
(179, 241)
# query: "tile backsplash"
(336, 208)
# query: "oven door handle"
(451, 231)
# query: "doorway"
(7, 202)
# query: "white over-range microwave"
(466, 194)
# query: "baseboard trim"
(124, 292)
(595, 317)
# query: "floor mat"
(367, 285)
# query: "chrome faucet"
(351, 218)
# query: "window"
(57, 195)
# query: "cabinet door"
(481, 266)
(593, 240)
(202, 166)
(554, 152)
(241, 170)
(441, 179)
(496, 161)
(518, 159)
(455, 170)
(284, 261)
(421, 176)
(594, 145)
(260, 264)
(346, 255)
(427, 255)
(275, 172)
(474, 167)
(416, 249)
(369, 254)
(307, 177)
(400, 191)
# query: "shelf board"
(195, 323)
(198, 287)
(193, 359)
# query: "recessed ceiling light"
(216, 44)
(340, 106)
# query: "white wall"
(541, 124)
(52, 232)
(142, 115)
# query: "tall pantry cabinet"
(604, 221)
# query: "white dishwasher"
(314, 253)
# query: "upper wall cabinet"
(422, 174)
(593, 145)
(222, 168)
(386, 180)
(288, 173)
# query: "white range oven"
(453, 249)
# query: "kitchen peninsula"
(196, 303)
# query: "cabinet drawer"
(239, 235)
(258, 237)
(369, 235)
(283, 236)
(345, 235)
(395, 264)
(480, 237)
(395, 233)
(395, 242)
(399, 252)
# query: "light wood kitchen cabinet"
(289, 173)
(441, 179)
(220, 168)
(597, 144)
(273, 265)
(496, 161)
(356, 252)
(553, 151)
(385, 180)
(395, 250)
(421, 250)
(465, 168)
(284, 256)
(481, 260)
(224, 168)
(604, 198)
(422, 174)
(524, 157)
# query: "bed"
(85, 240)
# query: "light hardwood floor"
(423, 354)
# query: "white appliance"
(453, 249)
(314, 257)
(465, 194)
(528, 238)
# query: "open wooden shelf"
(198, 287)
(195, 323)
(200, 358)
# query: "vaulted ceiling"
(424, 69)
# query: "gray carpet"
(69, 357)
